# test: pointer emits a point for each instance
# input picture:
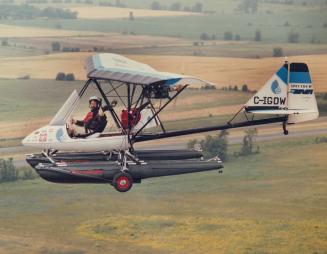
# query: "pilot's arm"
(82, 123)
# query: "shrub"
(191, 143)
(293, 37)
(257, 36)
(277, 52)
(61, 76)
(8, 172)
(197, 7)
(319, 140)
(55, 46)
(175, 7)
(131, 16)
(247, 147)
(228, 36)
(216, 145)
(155, 6)
(204, 36)
(70, 77)
(4, 43)
(24, 77)
(245, 88)
(237, 37)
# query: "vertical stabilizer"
(273, 95)
(288, 92)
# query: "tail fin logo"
(275, 88)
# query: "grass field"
(243, 49)
(21, 106)
(19, 51)
(272, 202)
(108, 42)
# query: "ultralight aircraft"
(143, 93)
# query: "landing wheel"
(122, 182)
(285, 132)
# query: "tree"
(248, 6)
(175, 7)
(197, 7)
(277, 52)
(61, 76)
(237, 37)
(247, 147)
(131, 16)
(257, 36)
(8, 172)
(245, 88)
(70, 77)
(204, 36)
(228, 36)
(55, 46)
(187, 8)
(155, 6)
(216, 145)
(293, 37)
(4, 43)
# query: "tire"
(122, 182)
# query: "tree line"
(197, 7)
(26, 11)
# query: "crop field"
(87, 12)
(8, 31)
(272, 202)
(109, 42)
(218, 70)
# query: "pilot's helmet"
(95, 98)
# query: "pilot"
(94, 122)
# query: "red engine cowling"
(134, 115)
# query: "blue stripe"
(300, 77)
(282, 74)
(170, 82)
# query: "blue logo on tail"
(275, 88)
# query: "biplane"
(142, 93)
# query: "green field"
(29, 99)
(306, 20)
(230, 49)
(272, 202)
(18, 51)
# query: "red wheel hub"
(123, 182)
